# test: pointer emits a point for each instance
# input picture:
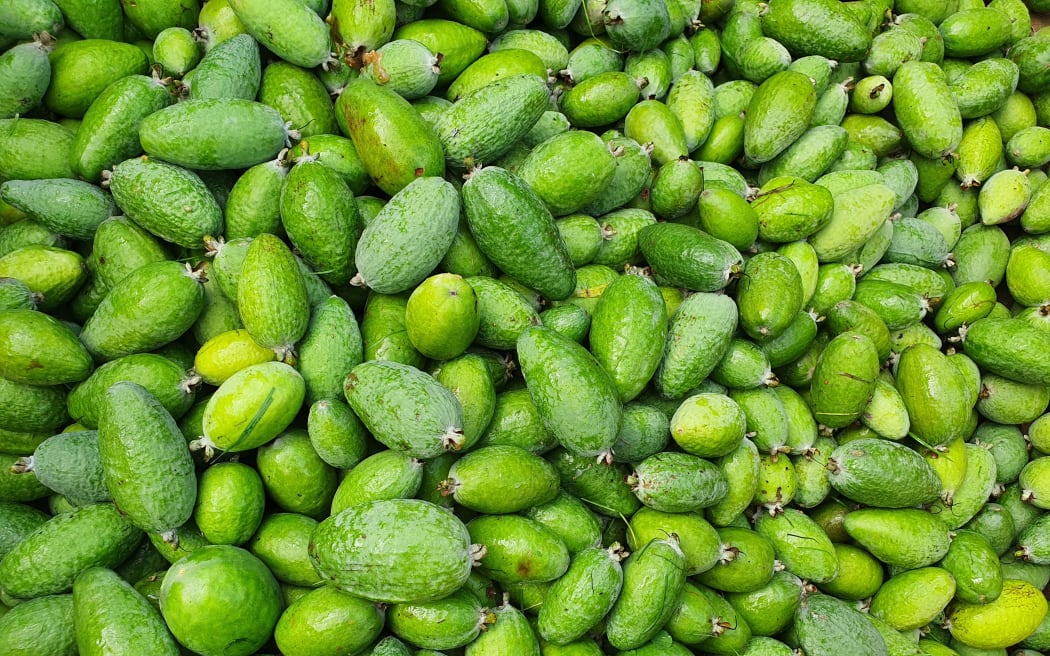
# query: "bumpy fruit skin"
(365, 551)
(1012, 617)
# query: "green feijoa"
(745, 563)
(447, 623)
(858, 214)
(37, 349)
(725, 142)
(567, 189)
(824, 625)
(134, 428)
(891, 48)
(838, 181)
(509, 632)
(442, 316)
(30, 408)
(281, 543)
(440, 550)
(252, 407)
(984, 88)
(1031, 543)
(974, 564)
(802, 426)
(831, 105)
(698, 540)
(651, 121)
(620, 228)
(1009, 402)
(897, 305)
(677, 482)
(934, 174)
(109, 611)
(726, 216)
(149, 308)
(18, 481)
(501, 479)
(686, 256)
(926, 109)
(470, 381)
(517, 421)
(538, 258)
(995, 525)
(230, 503)
(636, 27)
(19, 521)
(1004, 196)
(743, 366)
(1016, 113)
(707, 50)
(800, 544)
(1007, 347)
(903, 537)
(120, 247)
(230, 68)
(836, 282)
(16, 295)
(1030, 479)
(629, 309)
(974, 32)
(1016, 614)
(24, 442)
(549, 361)
(336, 152)
(675, 188)
(271, 294)
(926, 380)
(769, 609)
(1028, 275)
(652, 575)
(570, 519)
(778, 483)
(583, 596)
(599, 485)
(331, 346)
(982, 253)
(693, 620)
(407, 392)
(225, 575)
(224, 355)
(777, 115)
(708, 425)
(767, 421)
(844, 379)
(51, 143)
(69, 464)
(873, 93)
(761, 58)
(809, 156)
(177, 51)
(48, 560)
(327, 618)
(383, 475)
(72, 208)
(965, 304)
(383, 330)
(491, 67)
(652, 71)
(784, 22)
(197, 133)
(643, 432)
(321, 219)
(691, 99)
(294, 476)
(767, 276)
(793, 342)
(81, 70)
(461, 45)
(862, 471)
(902, 176)
(1034, 219)
(518, 549)
(886, 413)
(860, 574)
(167, 200)
(582, 236)
(26, 73)
(40, 626)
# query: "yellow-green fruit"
(442, 316)
(1006, 621)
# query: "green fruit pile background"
(524, 327)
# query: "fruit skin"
(147, 465)
(45, 624)
(502, 479)
(816, 27)
(904, 537)
(111, 617)
(327, 618)
(271, 295)
(933, 391)
(582, 596)
(1012, 617)
(417, 416)
(48, 560)
(156, 195)
(514, 229)
(395, 144)
(409, 236)
(289, 29)
(364, 551)
(39, 350)
(151, 307)
(651, 576)
(1009, 348)
(575, 397)
(778, 114)
(220, 601)
(826, 625)
(926, 110)
(866, 471)
(252, 407)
